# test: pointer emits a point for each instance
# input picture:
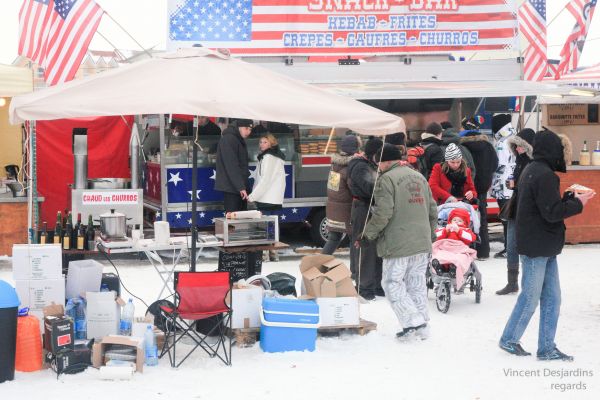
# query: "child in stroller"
(452, 264)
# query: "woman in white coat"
(269, 183)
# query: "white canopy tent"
(15, 80)
(200, 81)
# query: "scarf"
(458, 180)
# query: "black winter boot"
(512, 286)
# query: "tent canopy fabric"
(200, 81)
(15, 80)
(585, 74)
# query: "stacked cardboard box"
(329, 281)
(37, 271)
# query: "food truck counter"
(585, 227)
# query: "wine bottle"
(68, 233)
(90, 234)
(44, 235)
(80, 236)
(58, 229)
(75, 232)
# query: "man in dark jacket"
(431, 141)
(486, 162)
(364, 263)
(232, 165)
(207, 128)
(540, 238)
(339, 198)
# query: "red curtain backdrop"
(108, 157)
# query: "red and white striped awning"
(586, 74)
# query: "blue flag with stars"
(211, 20)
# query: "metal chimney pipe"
(80, 158)
(134, 157)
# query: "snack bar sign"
(110, 198)
(342, 27)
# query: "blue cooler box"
(288, 325)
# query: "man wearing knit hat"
(403, 224)
(364, 263)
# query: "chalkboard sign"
(241, 265)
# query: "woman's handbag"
(509, 211)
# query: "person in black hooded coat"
(541, 211)
(362, 173)
(486, 163)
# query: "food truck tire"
(318, 232)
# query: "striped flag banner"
(342, 27)
(34, 18)
(532, 25)
(56, 34)
(583, 12)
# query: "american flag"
(583, 11)
(56, 34)
(284, 27)
(34, 17)
(532, 24)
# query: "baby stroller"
(442, 277)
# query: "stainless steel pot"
(108, 183)
(113, 225)
(17, 189)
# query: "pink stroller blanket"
(449, 251)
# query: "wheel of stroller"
(442, 297)
(478, 292)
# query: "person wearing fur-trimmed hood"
(541, 211)
(521, 147)
(503, 130)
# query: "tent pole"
(194, 227)
(329, 140)
(163, 168)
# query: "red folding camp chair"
(199, 295)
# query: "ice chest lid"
(290, 305)
(8, 296)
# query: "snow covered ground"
(461, 360)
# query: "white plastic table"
(151, 249)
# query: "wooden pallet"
(361, 329)
(245, 337)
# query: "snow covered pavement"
(460, 360)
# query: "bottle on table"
(58, 229)
(584, 155)
(90, 235)
(596, 154)
(127, 318)
(150, 347)
(68, 233)
(76, 232)
(44, 234)
(80, 238)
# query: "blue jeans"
(539, 283)
(512, 256)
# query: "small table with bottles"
(176, 249)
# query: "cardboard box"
(338, 311)
(246, 307)
(58, 334)
(102, 314)
(100, 347)
(39, 293)
(83, 276)
(37, 261)
(325, 276)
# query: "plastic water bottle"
(150, 347)
(80, 321)
(127, 318)
(70, 310)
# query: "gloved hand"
(363, 242)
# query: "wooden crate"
(361, 329)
